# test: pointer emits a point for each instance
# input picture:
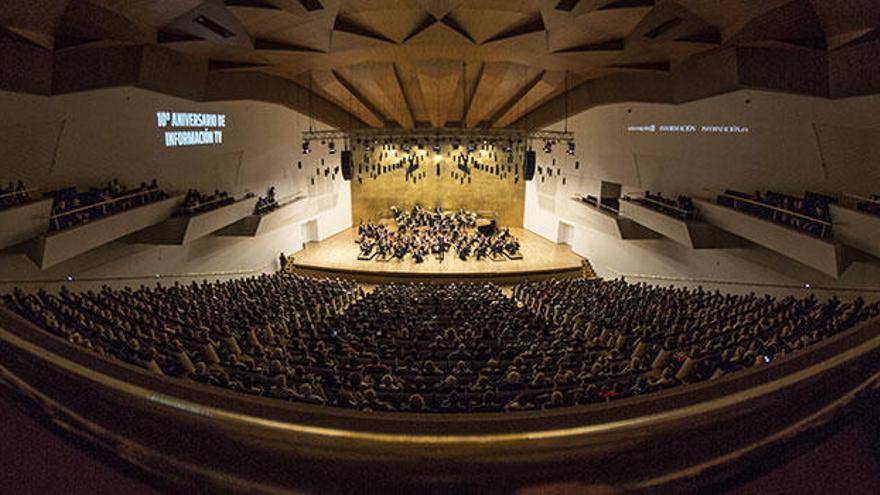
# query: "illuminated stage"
(337, 256)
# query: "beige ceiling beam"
(516, 98)
(360, 97)
(407, 102)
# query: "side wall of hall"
(85, 139)
(794, 144)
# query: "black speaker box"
(529, 165)
(346, 164)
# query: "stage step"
(825, 256)
(24, 222)
(254, 225)
(611, 223)
(183, 230)
(694, 234)
(856, 229)
(51, 249)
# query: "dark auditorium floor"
(34, 460)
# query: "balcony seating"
(183, 229)
(609, 220)
(824, 255)
(678, 224)
(53, 248)
(273, 218)
(857, 223)
(23, 222)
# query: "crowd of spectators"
(871, 206)
(681, 207)
(420, 233)
(195, 202)
(267, 203)
(438, 348)
(14, 194)
(72, 208)
(809, 214)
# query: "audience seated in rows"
(266, 203)
(872, 206)
(196, 202)
(71, 208)
(438, 348)
(681, 208)
(421, 233)
(611, 205)
(809, 214)
(14, 194)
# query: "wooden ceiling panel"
(439, 81)
(457, 62)
(540, 92)
(593, 27)
(334, 88)
(394, 19)
(150, 14)
(379, 83)
(412, 89)
(498, 83)
(482, 24)
(440, 8)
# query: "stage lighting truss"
(504, 138)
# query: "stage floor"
(337, 256)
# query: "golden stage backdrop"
(478, 177)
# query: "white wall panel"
(88, 138)
(781, 152)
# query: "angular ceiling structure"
(475, 63)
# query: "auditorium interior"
(574, 247)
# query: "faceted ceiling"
(434, 63)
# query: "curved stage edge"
(337, 257)
(194, 437)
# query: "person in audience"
(14, 194)
(267, 204)
(195, 202)
(71, 208)
(681, 208)
(871, 205)
(810, 214)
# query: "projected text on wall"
(191, 129)
(688, 129)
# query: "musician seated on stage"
(420, 232)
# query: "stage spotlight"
(570, 150)
(331, 147)
(437, 147)
(471, 147)
(306, 148)
(548, 147)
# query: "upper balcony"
(826, 256)
(254, 224)
(684, 228)
(857, 223)
(50, 249)
(180, 230)
(24, 222)
(610, 220)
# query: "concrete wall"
(795, 143)
(87, 138)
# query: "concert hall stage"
(337, 256)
